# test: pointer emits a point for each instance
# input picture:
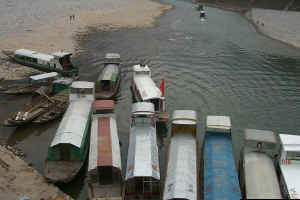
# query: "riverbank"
(18, 180)
(62, 33)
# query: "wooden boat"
(220, 177)
(57, 62)
(182, 175)
(145, 90)
(108, 81)
(34, 83)
(260, 150)
(104, 169)
(68, 149)
(142, 179)
(288, 166)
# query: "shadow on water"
(221, 67)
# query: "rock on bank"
(17, 179)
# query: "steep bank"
(61, 33)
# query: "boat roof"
(291, 178)
(290, 142)
(61, 54)
(182, 174)
(109, 73)
(104, 143)
(260, 136)
(142, 159)
(143, 108)
(218, 123)
(83, 84)
(44, 76)
(112, 55)
(71, 128)
(146, 87)
(187, 117)
(140, 67)
(104, 105)
(34, 54)
(260, 183)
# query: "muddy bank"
(18, 180)
(61, 33)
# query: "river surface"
(218, 67)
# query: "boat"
(202, 15)
(104, 168)
(260, 149)
(220, 175)
(69, 147)
(200, 7)
(144, 90)
(142, 180)
(42, 108)
(288, 165)
(182, 174)
(34, 83)
(108, 82)
(57, 62)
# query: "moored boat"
(258, 176)
(220, 175)
(288, 165)
(104, 169)
(142, 179)
(108, 82)
(57, 62)
(182, 175)
(68, 149)
(145, 90)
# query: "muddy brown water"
(218, 67)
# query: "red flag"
(162, 87)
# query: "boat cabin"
(182, 175)
(112, 58)
(289, 165)
(218, 162)
(142, 179)
(144, 88)
(82, 90)
(104, 169)
(260, 149)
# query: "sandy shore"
(19, 180)
(61, 34)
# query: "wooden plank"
(104, 141)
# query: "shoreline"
(62, 34)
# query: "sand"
(61, 34)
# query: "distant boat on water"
(57, 62)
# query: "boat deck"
(220, 176)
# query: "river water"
(218, 67)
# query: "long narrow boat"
(105, 169)
(220, 176)
(258, 176)
(57, 62)
(108, 82)
(69, 147)
(145, 90)
(142, 179)
(288, 166)
(182, 175)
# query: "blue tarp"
(220, 176)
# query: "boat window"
(105, 85)
(293, 155)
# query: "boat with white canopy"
(142, 179)
(182, 175)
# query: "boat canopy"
(290, 142)
(110, 73)
(73, 127)
(143, 108)
(142, 158)
(112, 58)
(82, 84)
(146, 87)
(61, 54)
(182, 174)
(34, 54)
(44, 76)
(104, 143)
(184, 117)
(266, 139)
(218, 124)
